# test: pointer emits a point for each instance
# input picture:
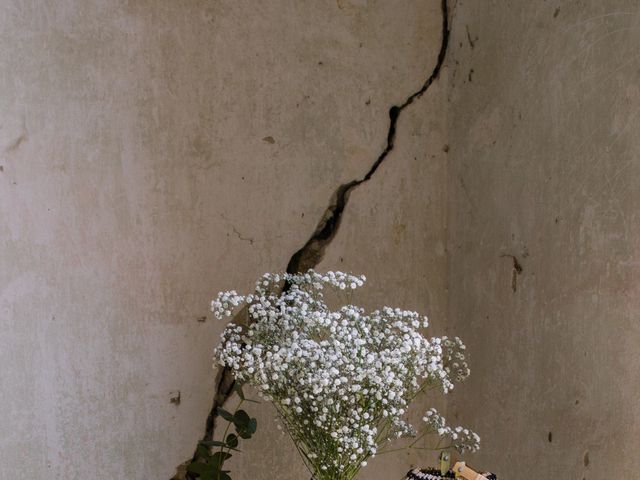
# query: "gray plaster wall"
(544, 145)
(154, 152)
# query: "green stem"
(224, 438)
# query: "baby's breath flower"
(341, 380)
(461, 438)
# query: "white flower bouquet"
(340, 379)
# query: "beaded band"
(433, 474)
(429, 474)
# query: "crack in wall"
(241, 237)
(313, 250)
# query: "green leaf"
(215, 475)
(217, 443)
(253, 425)
(245, 425)
(200, 468)
(237, 387)
(224, 414)
(218, 458)
(203, 451)
(232, 440)
(241, 419)
(213, 443)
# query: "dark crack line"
(239, 235)
(313, 250)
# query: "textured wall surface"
(153, 152)
(543, 129)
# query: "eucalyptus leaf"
(226, 415)
(213, 443)
(253, 425)
(218, 458)
(237, 387)
(241, 419)
(203, 451)
(200, 468)
(217, 443)
(232, 440)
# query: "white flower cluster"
(341, 380)
(461, 438)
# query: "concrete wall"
(154, 152)
(543, 130)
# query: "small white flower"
(337, 377)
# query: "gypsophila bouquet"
(340, 379)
